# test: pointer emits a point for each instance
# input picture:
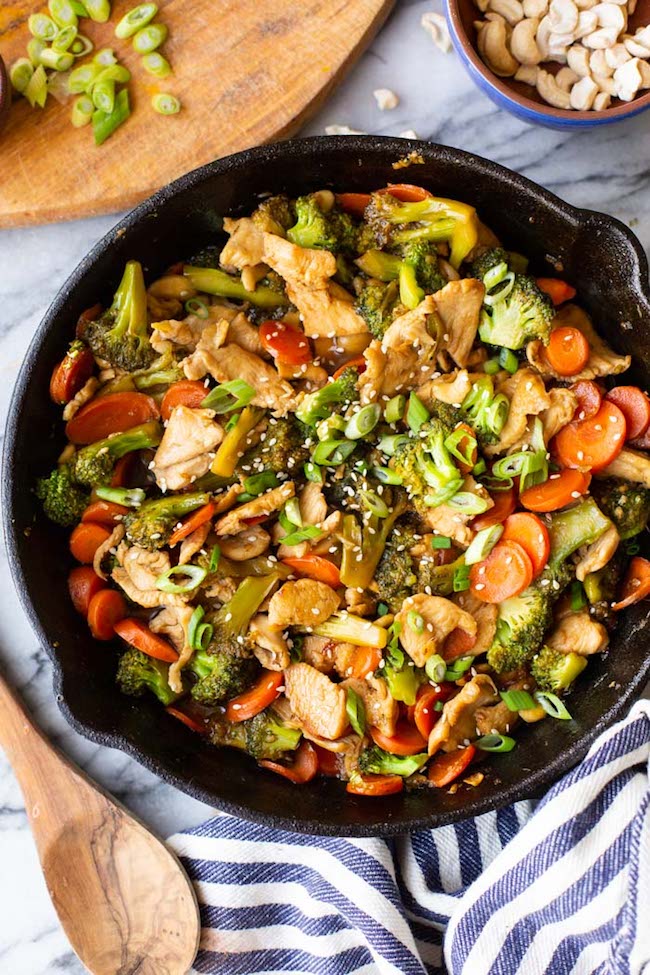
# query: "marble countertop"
(605, 170)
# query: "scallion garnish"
(415, 621)
(363, 422)
(135, 19)
(462, 445)
(34, 48)
(518, 700)
(458, 667)
(129, 497)
(215, 555)
(36, 90)
(440, 541)
(331, 453)
(508, 360)
(103, 96)
(394, 409)
(57, 60)
(461, 578)
(20, 74)
(81, 46)
(198, 307)
(165, 104)
(98, 10)
(435, 668)
(114, 72)
(105, 58)
(416, 413)
(199, 634)
(382, 609)
(552, 705)
(79, 8)
(578, 597)
(468, 502)
(149, 38)
(386, 475)
(42, 27)
(82, 79)
(62, 13)
(105, 125)
(305, 534)
(376, 505)
(313, 473)
(390, 444)
(479, 468)
(496, 743)
(229, 396)
(232, 422)
(356, 712)
(65, 39)
(193, 575)
(492, 366)
(292, 513)
(157, 65)
(482, 544)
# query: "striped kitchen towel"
(563, 888)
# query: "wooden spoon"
(122, 897)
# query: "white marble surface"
(606, 170)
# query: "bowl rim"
(473, 59)
(533, 784)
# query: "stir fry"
(354, 493)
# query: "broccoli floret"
(152, 524)
(63, 500)
(215, 281)
(274, 215)
(415, 267)
(121, 334)
(426, 467)
(222, 675)
(378, 304)
(94, 464)
(319, 405)
(556, 671)
(396, 575)
(137, 673)
(162, 372)
(263, 737)
(375, 761)
(486, 412)
(281, 450)
(395, 224)
(627, 504)
(524, 314)
(488, 260)
(333, 230)
(438, 579)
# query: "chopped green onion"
(376, 505)
(104, 96)
(492, 366)
(518, 700)
(105, 125)
(42, 27)
(98, 10)
(382, 609)
(462, 445)
(129, 497)
(440, 541)
(504, 288)
(438, 706)
(386, 475)
(313, 472)
(58, 60)
(36, 90)
(415, 621)
(578, 598)
(79, 8)
(497, 413)
(136, 18)
(632, 547)
(114, 72)
(199, 634)
(305, 534)
(331, 453)
(534, 469)
(479, 468)
(81, 46)
(498, 484)
(496, 743)
(435, 668)
(62, 13)
(257, 484)
(394, 409)
(391, 444)
(232, 422)
(105, 58)
(64, 39)
(495, 275)
(82, 79)
(461, 579)
(356, 712)
(198, 307)
(510, 466)
(332, 428)
(34, 50)
(292, 513)
(444, 494)
(552, 705)
(155, 64)
(468, 503)
(508, 360)
(229, 396)
(149, 38)
(482, 544)
(193, 574)
(20, 74)
(363, 422)
(165, 104)
(215, 555)
(458, 667)
(416, 414)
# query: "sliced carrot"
(358, 362)
(557, 290)
(589, 395)
(315, 567)
(636, 585)
(506, 572)
(463, 448)
(85, 539)
(559, 491)
(123, 470)
(139, 635)
(303, 768)
(354, 203)
(407, 740)
(256, 520)
(251, 702)
(406, 192)
(192, 522)
(567, 351)
(286, 342)
(504, 504)
(375, 785)
(424, 712)
(110, 414)
(105, 513)
(83, 584)
(457, 644)
(532, 534)
(187, 720)
(593, 443)
(328, 762)
(73, 372)
(106, 609)
(446, 767)
(185, 392)
(634, 404)
(366, 661)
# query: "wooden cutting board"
(246, 71)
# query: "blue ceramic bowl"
(520, 99)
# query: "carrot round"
(424, 711)
(506, 572)
(85, 539)
(192, 522)
(636, 585)
(110, 414)
(303, 768)
(122, 470)
(139, 635)
(375, 785)
(567, 351)
(358, 362)
(593, 443)
(504, 504)
(73, 372)
(286, 342)
(83, 584)
(407, 740)
(354, 203)
(406, 192)
(366, 661)
(315, 567)
(106, 609)
(532, 534)
(589, 395)
(187, 720)
(105, 513)
(457, 644)
(559, 491)
(635, 407)
(185, 392)
(251, 702)
(446, 767)
(557, 290)
(328, 762)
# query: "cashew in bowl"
(563, 15)
(578, 60)
(566, 79)
(583, 93)
(598, 64)
(528, 74)
(587, 24)
(523, 44)
(551, 92)
(603, 37)
(611, 15)
(493, 48)
(630, 77)
(535, 8)
(544, 32)
(510, 10)
(602, 101)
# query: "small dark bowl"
(597, 254)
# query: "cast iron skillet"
(597, 254)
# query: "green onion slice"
(105, 57)
(331, 428)
(291, 512)
(62, 13)
(302, 535)
(65, 39)
(440, 541)
(461, 580)
(103, 96)
(136, 18)
(363, 422)
(356, 712)
(98, 10)
(232, 422)
(229, 396)
(552, 705)
(165, 104)
(376, 505)
(394, 410)
(157, 65)
(459, 666)
(391, 444)
(492, 366)
(114, 72)
(34, 50)
(57, 60)
(496, 743)
(415, 621)
(469, 503)
(479, 468)
(518, 700)
(435, 668)
(313, 473)
(79, 8)
(331, 453)
(495, 275)
(382, 609)
(193, 575)
(36, 90)
(257, 484)
(534, 469)
(105, 125)
(416, 414)
(462, 445)
(386, 475)
(199, 634)
(503, 290)
(42, 27)
(482, 544)
(82, 45)
(149, 38)
(444, 495)
(497, 413)
(508, 360)
(82, 79)
(129, 497)
(215, 555)
(20, 74)
(198, 307)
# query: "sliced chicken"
(439, 616)
(187, 448)
(382, 711)
(578, 633)
(246, 544)
(528, 397)
(245, 245)
(459, 306)
(453, 523)
(302, 603)
(102, 550)
(84, 396)
(319, 704)
(318, 652)
(311, 268)
(485, 614)
(323, 311)
(137, 573)
(173, 623)
(603, 361)
(242, 333)
(270, 647)
(235, 520)
(495, 719)
(451, 388)
(186, 333)
(313, 506)
(631, 465)
(457, 724)
(193, 543)
(564, 403)
(595, 556)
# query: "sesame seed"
(479, 586)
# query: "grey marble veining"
(606, 170)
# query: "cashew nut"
(510, 10)
(578, 58)
(493, 48)
(635, 46)
(566, 78)
(607, 85)
(602, 101)
(436, 26)
(631, 76)
(544, 32)
(535, 8)
(587, 23)
(611, 15)
(583, 94)
(602, 38)
(558, 44)
(617, 55)
(527, 73)
(598, 64)
(563, 15)
(551, 92)
(523, 44)
(585, 4)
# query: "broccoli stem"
(214, 281)
(577, 526)
(353, 629)
(363, 548)
(246, 601)
(129, 305)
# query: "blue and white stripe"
(563, 889)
